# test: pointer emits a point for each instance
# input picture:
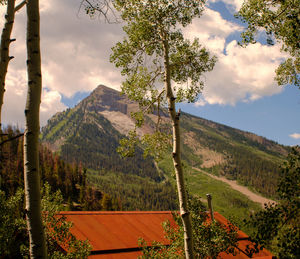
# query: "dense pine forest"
(70, 179)
(80, 188)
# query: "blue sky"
(274, 117)
(240, 91)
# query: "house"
(115, 234)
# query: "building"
(115, 234)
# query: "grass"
(232, 204)
(226, 201)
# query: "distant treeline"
(70, 179)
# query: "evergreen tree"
(277, 226)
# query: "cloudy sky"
(239, 92)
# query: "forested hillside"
(110, 192)
(91, 131)
(70, 179)
(252, 160)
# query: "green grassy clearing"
(228, 202)
(232, 204)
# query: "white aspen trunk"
(31, 162)
(4, 49)
(184, 213)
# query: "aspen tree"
(35, 227)
(153, 52)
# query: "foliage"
(155, 52)
(102, 9)
(58, 229)
(12, 224)
(209, 238)
(154, 145)
(280, 20)
(278, 225)
(13, 233)
(150, 24)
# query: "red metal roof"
(118, 231)
(115, 234)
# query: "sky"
(240, 92)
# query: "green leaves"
(209, 238)
(189, 61)
(155, 145)
(140, 56)
(280, 20)
(164, 12)
(128, 145)
(58, 228)
(12, 224)
(288, 72)
(289, 186)
(14, 236)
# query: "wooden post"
(209, 198)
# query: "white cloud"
(240, 74)
(75, 57)
(201, 101)
(15, 98)
(76, 49)
(212, 30)
(51, 104)
(243, 74)
(295, 135)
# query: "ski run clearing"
(242, 189)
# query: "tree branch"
(19, 6)
(103, 7)
(11, 139)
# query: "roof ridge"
(111, 212)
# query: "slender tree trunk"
(31, 163)
(4, 49)
(185, 215)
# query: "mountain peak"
(100, 89)
(104, 98)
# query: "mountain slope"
(239, 155)
(85, 134)
(90, 133)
